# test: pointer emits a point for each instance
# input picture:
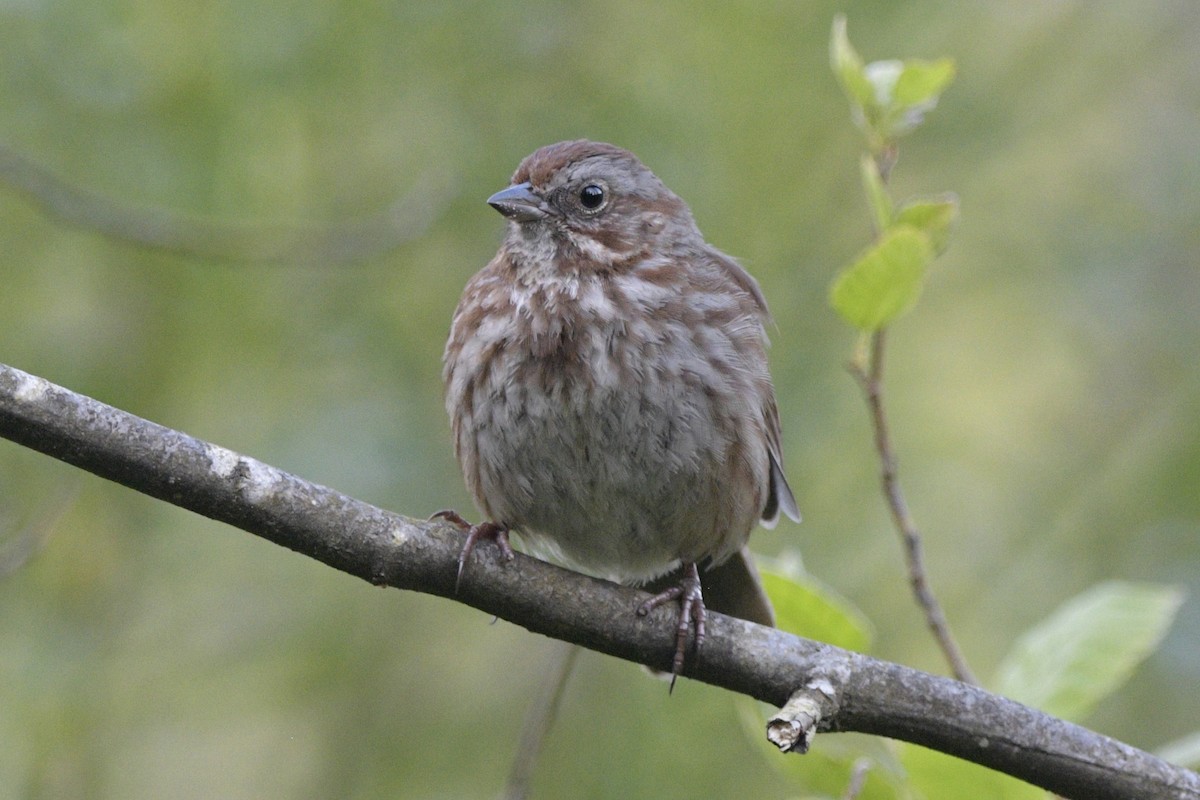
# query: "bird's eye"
(591, 196)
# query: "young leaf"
(935, 775)
(923, 81)
(885, 281)
(848, 67)
(916, 92)
(888, 98)
(1088, 647)
(934, 215)
(807, 608)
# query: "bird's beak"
(518, 203)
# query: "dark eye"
(591, 196)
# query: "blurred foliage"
(1091, 645)
(807, 607)
(1045, 398)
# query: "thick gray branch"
(387, 549)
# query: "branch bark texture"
(383, 548)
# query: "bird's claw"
(484, 530)
(691, 613)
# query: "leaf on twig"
(807, 608)
(1185, 752)
(916, 92)
(1087, 648)
(888, 98)
(935, 774)
(934, 215)
(885, 281)
(848, 67)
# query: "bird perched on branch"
(606, 379)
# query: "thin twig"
(871, 381)
(17, 552)
(539, 721)
(858, 779)
(320, 244)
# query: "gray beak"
(518, 203)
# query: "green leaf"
(1088, 647)
(877, 196)
(936, 775)
(1185, 752)
(915, 91)
(824, 772)
(885, 281)
(820, 775)
(933, 215)
(922, 82)
(848, 67)
(889, 98)
(806, 607)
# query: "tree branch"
(315, 243)
(869, 696)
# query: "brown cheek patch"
(615, 239)
(666, 205)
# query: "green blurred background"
(1045, 394)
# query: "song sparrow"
(607, 385)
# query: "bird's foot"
(691, 613)
(483, 530)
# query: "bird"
(607, 385)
